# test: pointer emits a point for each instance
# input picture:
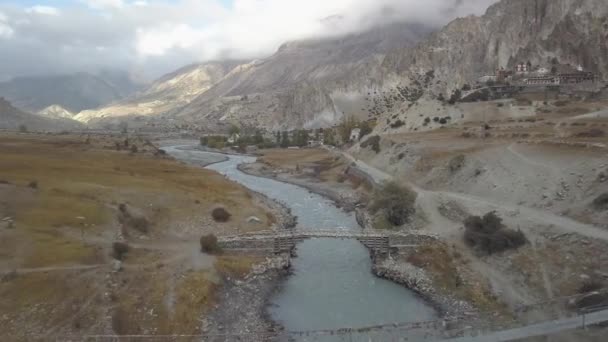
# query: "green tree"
(329, 137)
(285, 139)
(234, 129)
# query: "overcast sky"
(152, 37)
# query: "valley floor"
(65, 200)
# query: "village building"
(354, 134)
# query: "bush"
(443, 121)
(397, 124)
(601, 202)
(134, 149)
(373, 142)
(33, 184)
(139, 223)
(209, 244)
(456, 163)
(590, 285)
(220, 215)
(23, 128)
(397, 203)
(489, 235)
(592, 133)
(119, 249)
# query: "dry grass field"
(62, 196)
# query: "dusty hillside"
(166, 94)
(542, 168)
(14, 119)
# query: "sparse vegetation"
(489, 235)
(119, 249)
(396, 203)
(220, 215)
(456, 163)
(33, 184)
(601, 202)
(397, 124)
(592, 133)
(373, 142)
(209, 244)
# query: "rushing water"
(332, 285)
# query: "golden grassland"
(63, 194)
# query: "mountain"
(12, 118)
(510, 32)
(168, 93)
(305, 83)
(74, 92)
(56, 111)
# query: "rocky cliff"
(511, 31)
(305, 83)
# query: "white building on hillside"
(354, 134)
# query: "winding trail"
(430, 200)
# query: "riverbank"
(343, 196)
(242, 309)
(402, 273)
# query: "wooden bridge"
(280, 242)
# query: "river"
(332, 286)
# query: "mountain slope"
(74, 92)
(511, 31)
(56, 111)
(12, 118)
(168, 93)
(305, 83)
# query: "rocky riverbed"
(241, 312)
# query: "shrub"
(489, 235)
(139, 223)
(590, 285)
(592, 133)
(456, 163)
(134, 149)
(23, 128)
(209, 244)
(119, 249)
(220, 215)
(397, 203)
(33, 184)
(601, 202)
(397, 124)
(443, 121)
(373, 142)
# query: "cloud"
(6, 31)
(45, 10)
(157, 36)
(102, 4)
